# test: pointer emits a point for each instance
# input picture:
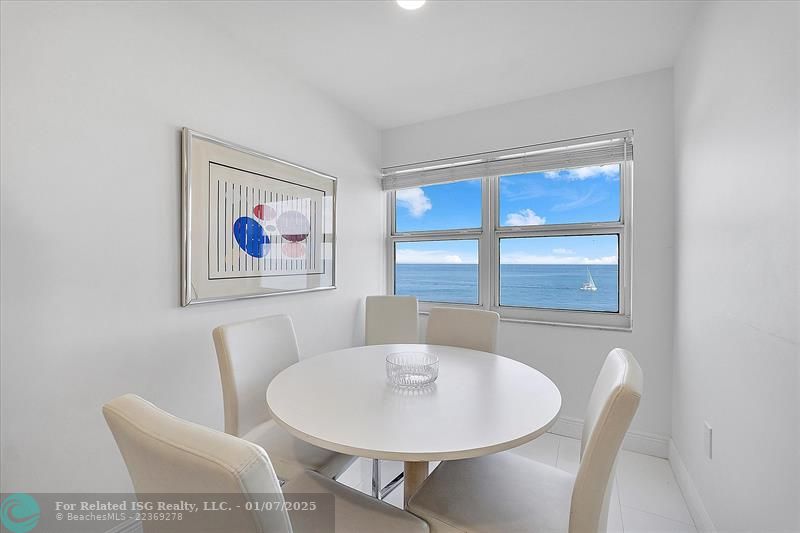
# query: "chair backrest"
(250, 354)
(167, 455)
(612, 405)
(391, 320)
(466, 328)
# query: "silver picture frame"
(253, 225)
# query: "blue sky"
(435, 207)
(589, 194)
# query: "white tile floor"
(646, 497)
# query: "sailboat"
(589, 285)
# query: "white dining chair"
(390, 320)
(508, 493)
(250, 355)
(475, 329)
(167, 455)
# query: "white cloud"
(531, 259)
(414, 200)
(583, 173)
(563, 251)
(431, 257)
(525, 217)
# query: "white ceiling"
(396, 67)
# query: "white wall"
(568, 355)
(93, 97)
(737, 270)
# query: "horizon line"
(527, 264)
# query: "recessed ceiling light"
(411, 4)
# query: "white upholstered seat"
(167, 455)
(507, 493)
(391, 320)
(292, 456)
(465, 328)
(250, 355)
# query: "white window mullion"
(566, 230)
(485, 268)
(390, 210)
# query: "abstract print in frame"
(253, 225)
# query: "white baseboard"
(635, 441)
(702, 520)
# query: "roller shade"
(587, 151)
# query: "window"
(578, 273)
(537, 233)
(443, 270)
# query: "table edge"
(417, 456)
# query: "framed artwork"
(253, 225)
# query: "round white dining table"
(481, 403)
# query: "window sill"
(625, 326)
(605, 322)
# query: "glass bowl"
(412, 369)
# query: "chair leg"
(376, 478)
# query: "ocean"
(539, 286)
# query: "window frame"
(491, 232)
